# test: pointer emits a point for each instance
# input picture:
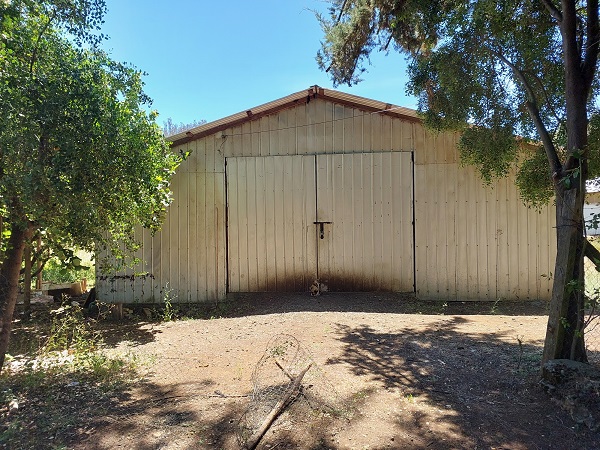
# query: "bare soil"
(413, 375)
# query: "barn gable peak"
(292, 101)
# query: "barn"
(323, 185)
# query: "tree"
(81, 159)
(170, 128)
(493, 70)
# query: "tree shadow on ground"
(440, 387)
(472, 390)
(188, 414)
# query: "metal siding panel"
(376, 131)
(338, 128)
(242, 223)
(311, 133)
(502, 238)
(386, 133)
(450, 243)
(361, 250)
(329, 128)
(165, 237)
(282, 124)
(234, 135)
(422, 286)
(174, 249)
(470, 206)
(255, 138)
(316, 115)
(419, 145)
(251, 173)
(270, 209)
(482, 240)
(245, 139)
(271, 230)
(183, 261)
(286, 244)
(218, 253)
(274, 147)
(279, 204)
(357, 135)
(365, 144)
(299, 138)
(386, 165)
(544, 250)
(513, 247)
(265, 136)
(523, 225)
(192, 238)
(491, 242)
(260, 223)
(533, 253)
(462, 236)
(433, 234)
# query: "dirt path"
(409, 381)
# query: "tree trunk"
(27, 281)
(564, 334)
(9, 282)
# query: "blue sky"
(207, 60)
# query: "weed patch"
(47, 394)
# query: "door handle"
(321, 228)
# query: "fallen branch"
(276, 411)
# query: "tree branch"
(553, 10)
(534, 113)
(571, 54)
(591, 252)
(341, 11)
(593, 43)
(37, 42)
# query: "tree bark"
(564, 339)
(564, 335)
(27, 281)
(9, 281)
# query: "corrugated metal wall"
(188, 256)
(472, 241)
(476, 242)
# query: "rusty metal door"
(364, 221)
(345, 219)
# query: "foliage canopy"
(81, 157)
(494, 70)
(82, 160)
(478, 67)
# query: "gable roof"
(290, 101)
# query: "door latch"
(321, 228)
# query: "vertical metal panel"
(368, 245)
(271, 204)
(499, 248)
(188, 254)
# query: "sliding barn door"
(345, 219)
(271, 236)
(364, 202)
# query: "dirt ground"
(409, 375)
